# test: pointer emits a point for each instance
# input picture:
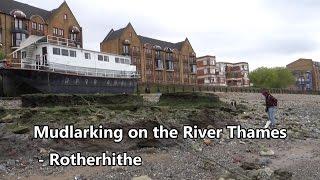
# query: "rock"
(210, 127)
(246, 117)
(261, 174)
(28, 114)
(100, 116)
(3, 168)
(112, 114)
(43, 151)
(145, 177)
(264, 162)
(267, 152)
(7, 119)
(207, 141)
(20, 130)
(79, 177)
(11, 162)
(249, 166)
(281, 175)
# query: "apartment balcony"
(126, 53)
(23, 29)
(37, 32)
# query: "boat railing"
(59, 41)
(72, 70)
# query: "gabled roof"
(113, 34)
(6, 6)
(162, 44)
(116, 34)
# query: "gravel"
(297, 155)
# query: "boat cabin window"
(127, 61)
(73, 53)
(100, 57)
(87, 55)
(23, 54)
(117, 60)
(64, 52)
(106, 58)
(56, 51)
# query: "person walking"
(271, 105)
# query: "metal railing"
(59, 41)
(67, 69)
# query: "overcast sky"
(261, 32)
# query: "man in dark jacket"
(271, 104)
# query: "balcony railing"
(60, 41)
(23, 29)
(37, 32)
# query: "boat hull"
(22, 81)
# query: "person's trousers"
(271, 115)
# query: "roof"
(162, 44)
(115, 34)
(6, 6)
(206, 56)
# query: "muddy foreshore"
(296, 157)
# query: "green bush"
(277, 77)
(2, 55)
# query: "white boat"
(56, 65)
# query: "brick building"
(210, 72)
(19, 20)
(307, 74)
(237, 74)
(157, 61)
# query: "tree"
(2, 55)
(277, 77)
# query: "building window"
(55, 31)
(64, 52)
(56, 51)
(106, 58)
(15, 55)
(65, 16)
(158, 54)
(159, 64)
(193, 68)
(61, 32)
(87, 55)
(34, 25)
(73, 53)
(18, 23)
(126, 49)
(17, 38)
(73, 36)
(169, 65)
(40, 27)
